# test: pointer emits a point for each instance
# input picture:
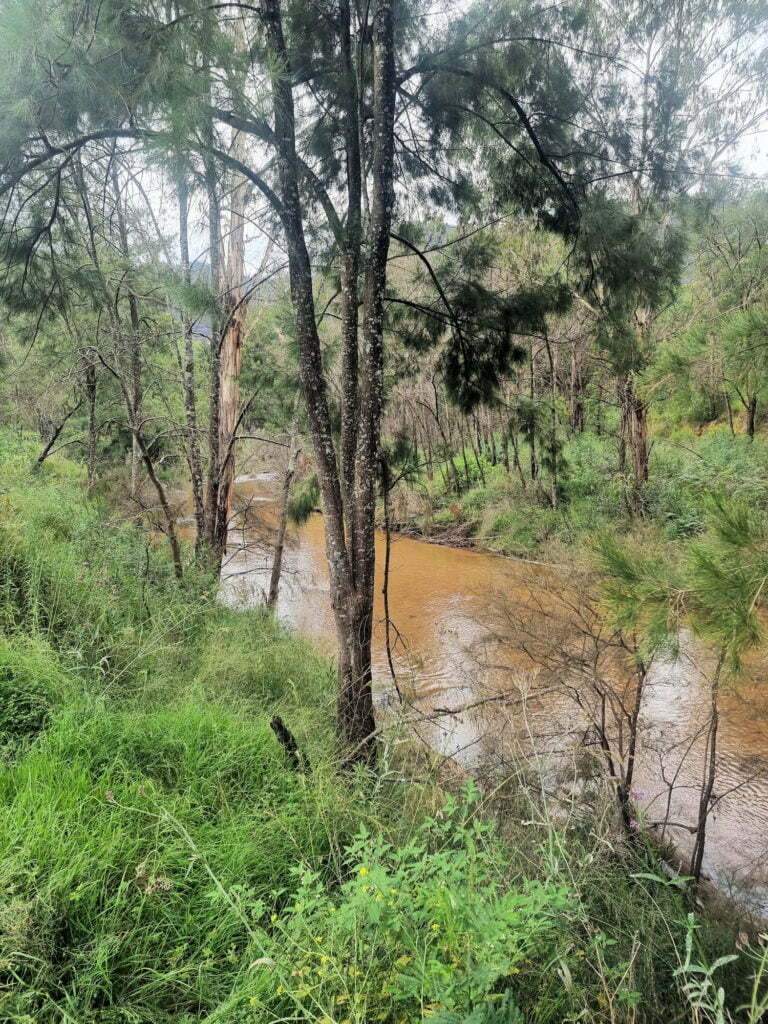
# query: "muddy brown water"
(456, 644)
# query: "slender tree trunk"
(90, 393)
(622, 438)
(467, 475)
(710, 772)
(625, 788)
(355, 703)
(729, 409)
(290, 473)
(385, 489)
(477, 450)
(505, 447)
(577, 388)
(230, 357)
(54, 433)
(194, 460)
(531, 433)
(350, 273)
(516, 457)
(214, 468)
(137, 395)
(553, 492)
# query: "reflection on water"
(457, 646)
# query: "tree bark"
(134, 355)
(90, 394)
(194, 460)
(214, 468)
(352, 612)
(230, 358)
(350, 272)
(355, 703)
(751, 415)
(290, 473)
(710, 773)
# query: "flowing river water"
(484, 637)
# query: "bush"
(423, 930)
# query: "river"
(471, 628)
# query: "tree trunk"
(230, 358)
(188, 376)
(751, 415)
(350, 273)
(729, 409)
(710, 773)
(635, 432)
(90, 393)
(135, 338)
(351, 569)
(355, 704)
(553, 451)
(577, 388)
(290, 473)
(214, 468)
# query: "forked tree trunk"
(351, 552)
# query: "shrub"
(423, 930)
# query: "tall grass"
(161, 860)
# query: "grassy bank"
(162, 860)
(502, 510)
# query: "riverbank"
(501, 509)
(163, 859)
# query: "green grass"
(161, 860)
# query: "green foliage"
(422, 929)
(304, 500)
(161, 860)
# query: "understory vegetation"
(495, 510)
(163, 858)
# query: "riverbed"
(478, 646)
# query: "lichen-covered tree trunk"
(349, 516)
